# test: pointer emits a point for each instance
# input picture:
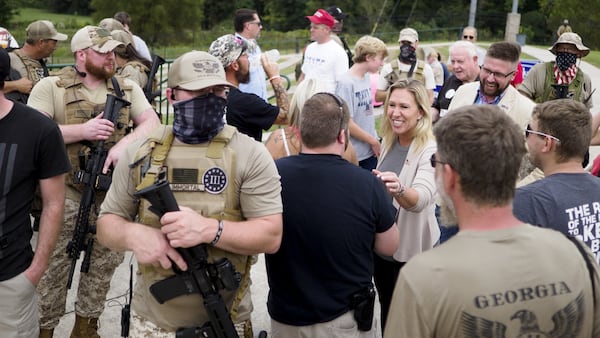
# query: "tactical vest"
(79, 110)
(140, 67)
(35, 69)
(575, 87)
(396, 74)
(203, 182)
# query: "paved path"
(110, 319)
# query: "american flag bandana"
(565, 77)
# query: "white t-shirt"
(325, 62)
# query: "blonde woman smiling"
(405, 168)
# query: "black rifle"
(90, 174)
(157, 61)
(200, 277)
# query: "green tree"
(171, 22)
(7, 11)
(581, 19)
(80, 7)
(285, 15)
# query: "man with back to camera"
(75, 98)
(36, 157)
(228, 189)
(246, 111)
(320, 279)
(406, 66)
(324, 59)
(497, 276)
(28, 63)
(568, 198)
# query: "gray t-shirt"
(569, 203)
(357, 94)
(394, 160)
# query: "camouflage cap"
(111, 24)
(228, 48)
(122, 36)
(42, 30)
(97, 38)
(196, 70)
(408, 34)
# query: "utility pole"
(472, 12)
(513, 22)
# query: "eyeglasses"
(434, 161)
(468, 37)
(530, 131)
(258, 23)
(496, 75)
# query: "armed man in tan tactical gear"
(75, 99)
(228, 190)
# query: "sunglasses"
(468, 37)
(433, 161)
(530, 131)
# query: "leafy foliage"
(7, 11)
(197, 22)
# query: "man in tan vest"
(75, 98)
(28, 65)
(228, 190)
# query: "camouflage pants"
(93, 286)
(143, 328)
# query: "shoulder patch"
(214, 180)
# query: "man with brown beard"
(499, 68)
(249, 113)
(75, 99)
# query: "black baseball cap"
(4, 63)
(337, 13)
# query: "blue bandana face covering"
(200, 119)
(565, 60)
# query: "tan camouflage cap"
(42, 30)
(408, 34)
(111, 24)
(228, 48)
(93, 37)
(122, 36)
(196, 70)
(573, 39)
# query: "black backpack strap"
(412, 69)
(588, 263)
(118, 92)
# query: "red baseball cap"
(321, 17)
